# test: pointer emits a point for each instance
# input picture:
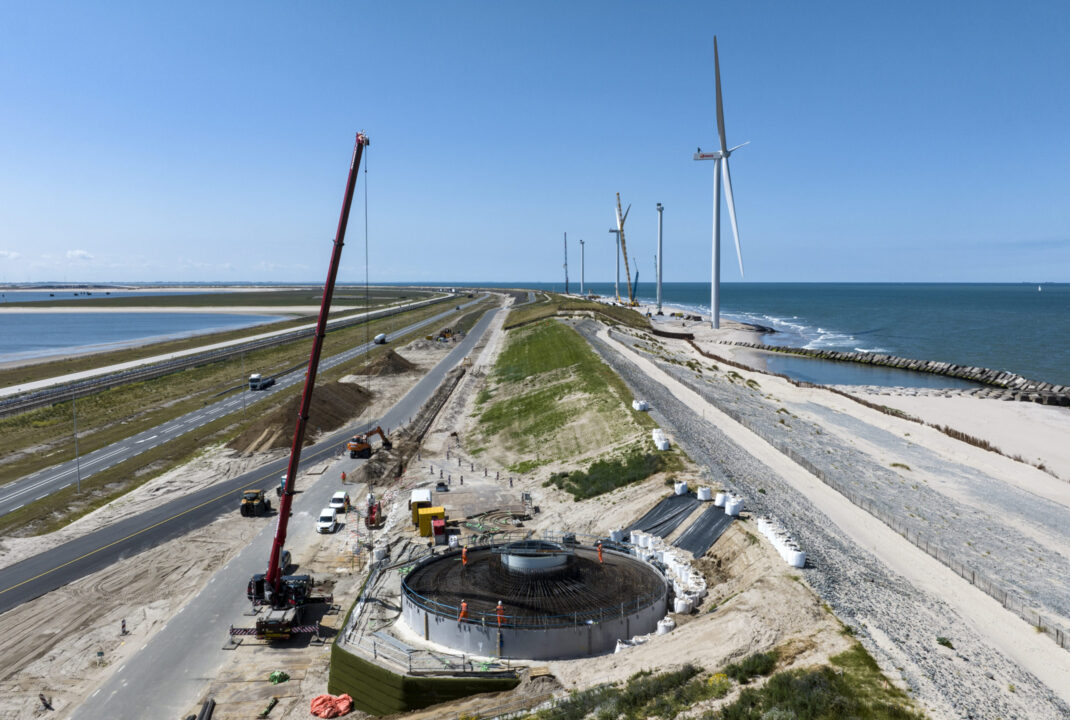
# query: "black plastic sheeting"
(704, 532)
(666, 516)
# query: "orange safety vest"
(599, 552)
(464, 612)
(464, 556)
(501, 615)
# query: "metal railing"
(573, 619)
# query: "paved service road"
(43, 483)
(171, 671)
(54, 568)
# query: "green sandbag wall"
(377, 691)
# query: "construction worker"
(599, 552)
(501, 613)
(464, 557)
(343, 476)
(463, 615)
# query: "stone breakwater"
(1002, 384)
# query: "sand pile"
(389, 363)
(421, 345)
(333, 405)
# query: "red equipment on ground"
(330, 706)
(373, 512)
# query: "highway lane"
(43, 483)
(54, 568)
(172, 670)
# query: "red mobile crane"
(296, 593)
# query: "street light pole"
(582, 291)
(660, 208)
(77, 462)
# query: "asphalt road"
(170, 672)
(43, 483)
(54, 568)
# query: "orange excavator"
(360, 446)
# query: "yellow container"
(426, 515)
(416, 508)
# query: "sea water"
(1023, 328)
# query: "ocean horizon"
(1020, 327)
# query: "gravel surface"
(1031, 569)
(896, 622)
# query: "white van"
(327, 521)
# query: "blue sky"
(909, 141)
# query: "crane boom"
(624, 248)
(274, 574)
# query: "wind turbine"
(720, 169)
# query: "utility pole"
(582, 291)
(616, 280)
(77, 462)
(660, 208)
(566, 263)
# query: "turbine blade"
(732, 211)
(737, 147)
(720, 104)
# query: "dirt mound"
(333, 405)
(389, 363)
(421, 345)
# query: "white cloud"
(78, 255)
(9, 255)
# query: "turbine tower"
(566, 263)
(616, 280)
(583, 292)
(720, 169)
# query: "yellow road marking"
(150, 527)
